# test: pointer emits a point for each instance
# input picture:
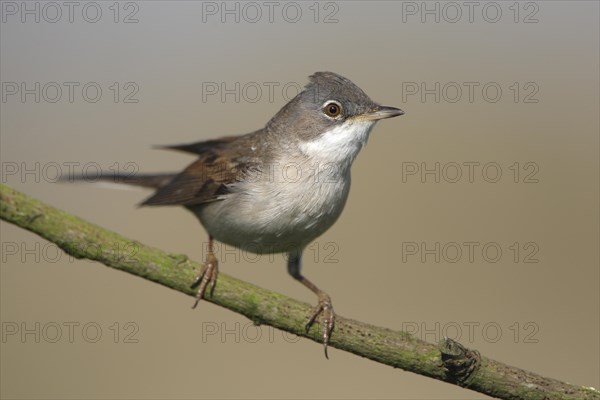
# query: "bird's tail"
(154, 181)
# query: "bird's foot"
(325, 310)
(208, 275)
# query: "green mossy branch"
(448, 361)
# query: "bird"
(276, 189)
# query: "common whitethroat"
(276, 189)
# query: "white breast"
(294, 200)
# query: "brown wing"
(201, 147)
(207, 178)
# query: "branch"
(449, 361)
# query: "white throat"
(340, 144)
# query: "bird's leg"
(208, 274)
(324, 308)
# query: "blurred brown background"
(535, 305)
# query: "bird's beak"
(382, 112)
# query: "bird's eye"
(332, 109)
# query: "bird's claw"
(208, 275)
(325, 310)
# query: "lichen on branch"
(449, 362)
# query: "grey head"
(329, 100)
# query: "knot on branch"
(460, 362)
